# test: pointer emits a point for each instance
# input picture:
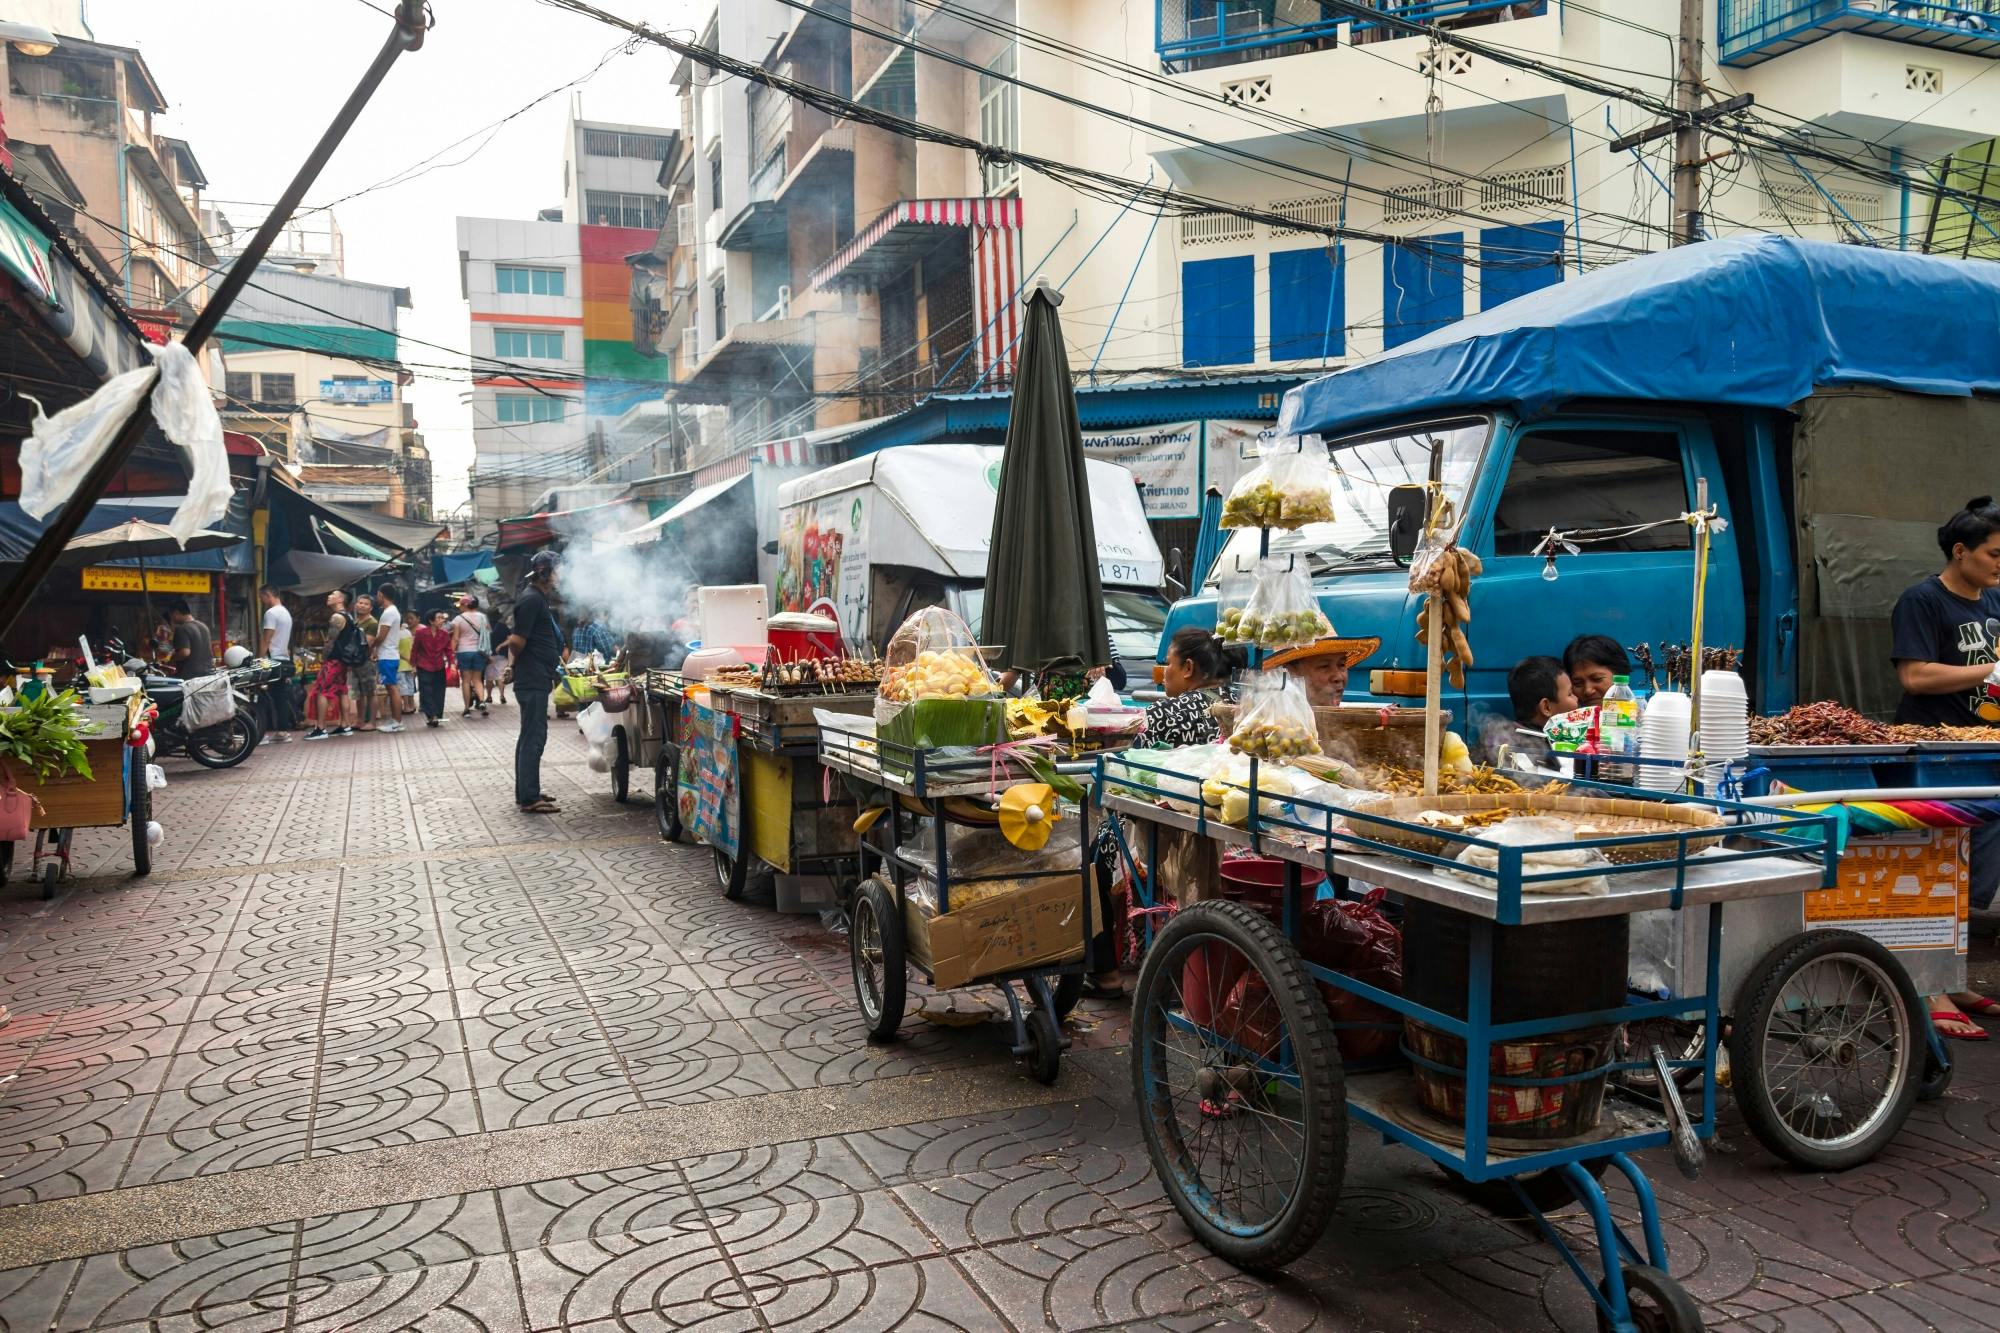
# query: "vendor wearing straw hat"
(1322, 666)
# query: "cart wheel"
(1828, 1049)
(1937, 1078)
(1044, 1057)
(1066, 992)
(621, 769)
(666, 794)
(141, 814)
(1658, 1303)
(51, 876)
(226, 744)
(732, 873)
(6, 860)
(875, 951)
(1239, 1085)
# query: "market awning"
(907, 231)
(697, 501)
(310, 572)
(754, 356)
(528, 532)
(18, 532)
(807, 450)
(458, 566)
(381, 531)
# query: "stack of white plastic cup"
(1725, 717)
(1663, 737)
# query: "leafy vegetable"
(44, 735)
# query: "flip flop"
(1945, 1020)
(548, 807)
(1983, 1005)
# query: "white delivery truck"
(868, 541)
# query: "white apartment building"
(832, 259)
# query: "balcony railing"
(1207, 34)
(1753, 31)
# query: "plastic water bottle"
(1618, 728)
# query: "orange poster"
(1904, 890)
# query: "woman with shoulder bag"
(471, 642)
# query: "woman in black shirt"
(1946, 640)
(1197, 668)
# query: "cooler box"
(798, 636)
(735, 616)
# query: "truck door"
(1611, 483)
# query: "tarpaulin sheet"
(458, 566)
(1758, 321)
(18, 532)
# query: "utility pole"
(1687, 134)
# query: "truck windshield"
(1363, 468)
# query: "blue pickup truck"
(1838, 401)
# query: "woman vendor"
(1945, 642)
(1198, 666)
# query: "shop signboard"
(118, 578)
(1165, 458)
(357, 391)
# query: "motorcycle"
(220, 745)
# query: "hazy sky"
(251, 83)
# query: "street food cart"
(116, 794)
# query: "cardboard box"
(1041, 924)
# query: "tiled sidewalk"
(373, 1050)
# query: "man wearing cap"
(1321, 666)
(537, 647)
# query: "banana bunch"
(1448, 579)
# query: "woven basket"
(1360, 736)
(1605, 817)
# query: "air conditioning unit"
(684, 224)
(690, 350)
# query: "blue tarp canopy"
(458, 566)
(18, 532)
(1757, 321)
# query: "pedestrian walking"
(194, 646)
(389, 654)
(537, 647)
(472, 644)
(498, 673)
(346, 650)
(280, 702)
(430, 651)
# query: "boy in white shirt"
(388, 652)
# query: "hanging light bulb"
(1549, 568)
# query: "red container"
(797, 637)
(1257, 882)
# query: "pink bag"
(16, 810)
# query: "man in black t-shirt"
(537, 646)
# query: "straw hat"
(1356, 651)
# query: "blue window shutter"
(1308, 304)
(1514, 261)
(1219, 311)
(1423, 286)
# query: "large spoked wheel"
(667, 795)
(1239, 1086)
(621, 768)
(1828, 1049)
(225, 745)
(141, 812)
(1657, 1302)
(875, 952)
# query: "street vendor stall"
(97, 779)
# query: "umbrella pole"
(146, 600)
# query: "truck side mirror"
(1176, 579)
(1406, 520)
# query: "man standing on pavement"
(389, 653)
(277, 647)
(537, 647)
(344, 648)
(194, 646)
(362, 681)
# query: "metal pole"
(1687, 136)
(408, 35)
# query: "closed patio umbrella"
(1043, 597)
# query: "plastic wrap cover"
(1874, 473)
(1759, 321)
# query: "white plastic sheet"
(61, 449)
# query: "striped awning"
(904, 231)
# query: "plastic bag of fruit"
(936, 695)
(1233, 592)
(1290, 487)
(1276, 720)
(1282, 611)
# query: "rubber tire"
(1935, 1081)
(1044, 1057)
(6, 860)
(732, 873)
(1670, 1308)
(1067, 993)
(1753, 1001)
(876, 899)
(1312, 1034)
(140, 815)
(666, 797)
(1547, 1190)
(241, 727)
(621, 769)
(51, 876)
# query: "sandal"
(1956, 1026)
(545, 806)
(1983, 1005)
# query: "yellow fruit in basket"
(1028, 815)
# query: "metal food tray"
(1833, 751)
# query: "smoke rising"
(645, 588)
